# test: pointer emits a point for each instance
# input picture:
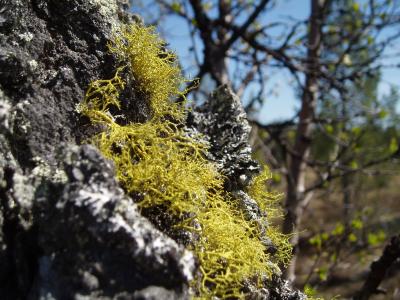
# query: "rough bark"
(67, 229)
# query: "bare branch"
(237, 34)
(390, 254)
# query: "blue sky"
(280, 101)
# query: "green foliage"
(352, 237)
(376, 238)
(176, 6)
(339, 230)
(355, 239)
(323, 273)
(311, 292)
(393, 146)
(159, 165)
(357, 224)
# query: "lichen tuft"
(154, 68)
(159, 165)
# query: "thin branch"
(237, 34)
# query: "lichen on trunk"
(159, 164)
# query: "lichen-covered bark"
(223, 121)
(91, 229)
(67, 230)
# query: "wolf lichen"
(265, 199)
(154, 68)
(158, 164)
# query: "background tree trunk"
(295, 197)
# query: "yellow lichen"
(268, 203)
(265, 199)
(154, 68)
(159, 165)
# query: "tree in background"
(335, 57)
(354, 133)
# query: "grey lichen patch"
(187, 265)
(33, 65)
(223, 122)
(59, 176)
(7, 159)
(113, 236)
(23, 191)
(155, 292)
(26, 36)
(108, 9)
(18, 120)
(89, 280)
(5, 108)
(43, 171)
(249, 206)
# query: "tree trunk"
(219, 64)
(295, 197)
